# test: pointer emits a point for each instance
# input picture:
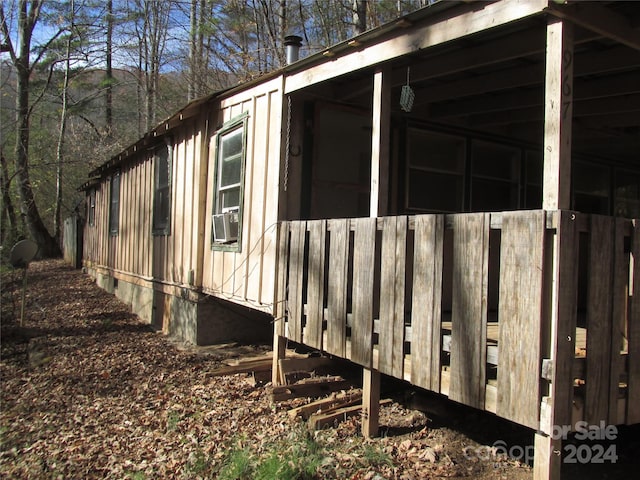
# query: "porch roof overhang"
(444, 22)
(422, 30)
(481, 67)
(467, 83)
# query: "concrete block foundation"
(190, 317)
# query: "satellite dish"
(22, 253)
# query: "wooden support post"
(547, 457)
(370, 402)
(380, 143)
(558, 116)
(279, 352)
(378, 207)
(556, 195)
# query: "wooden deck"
(479, 307)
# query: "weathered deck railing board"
(413, 297)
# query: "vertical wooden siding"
(135, 250)
(329, 297)
(174, 258)
(247, 276)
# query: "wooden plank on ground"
(296, 273)
(234, 362)
(322, 420)
(599, 300)
(337, 287)
(363, 277)
(262, 365)
(311, 387)
(392, 283)
(315, 280)
(469, 309)
(427, 302)
(330, 403)
(633, 385)
(256, 363)
(520, 316)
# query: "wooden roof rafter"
(620, 85)
(593, 107)
(588, 63)
(600, 19)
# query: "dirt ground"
(88, 391)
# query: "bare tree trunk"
(27, 19)
(193, 55)
(109, 72)
(283, 27)
(273, 25)
(359, 16)
(57, 221)
(8, 212)
(139, 92)
(148, 89)
(203, 78)
(284, 24)
(154, 33)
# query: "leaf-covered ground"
(88, 391)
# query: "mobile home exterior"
(448, 199)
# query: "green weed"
(237, 466)
(198, 464)
(136, 476)
(172, 421)
(375, 457)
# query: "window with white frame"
(162, 191)
(229, 176)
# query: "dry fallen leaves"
(90, 392)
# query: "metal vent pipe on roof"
(292, 45)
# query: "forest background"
(82, 79)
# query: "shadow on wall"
(220, 321)
(210, 321)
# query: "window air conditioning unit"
(225, 227)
